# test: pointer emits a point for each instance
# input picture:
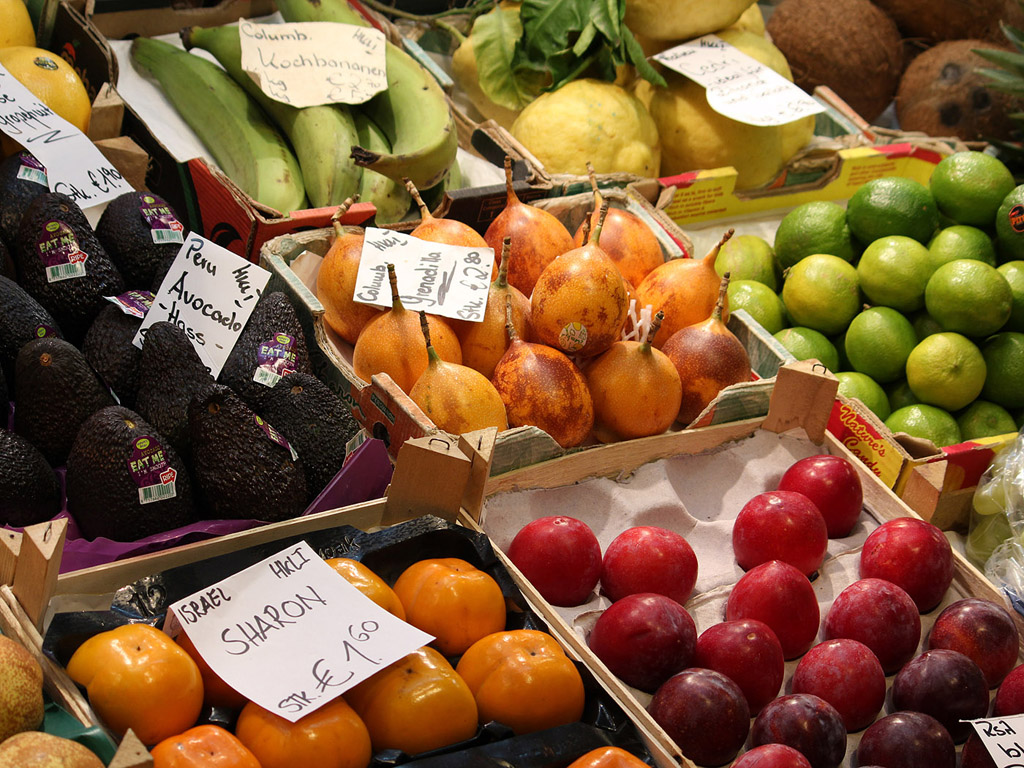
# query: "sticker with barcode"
(266, 377)
(27, 173)
(152, 493)
(161, 236)
(60, 272)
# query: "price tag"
(447, 280)
(314, 62)
(210, 293)
(73, 165)
(1003, 738)
(739, 86)
(290, 633)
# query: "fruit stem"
(339, 229)
(396, 300)
(586, 226)
(415, 193)
(656, 322)
(510, 328)
(425, 327)
(720, 304)
(593, 185)
(510, 193)
(595, 233)
(713, 253)
(506, 250)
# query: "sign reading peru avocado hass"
(209, 292)
(308, 63)
(290, 633)
(74, 166)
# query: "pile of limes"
(913, 295)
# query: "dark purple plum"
(944, 684)
(906, 740)
(806, 723)
(705, 713)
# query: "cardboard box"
(388, 414)
(694, 481)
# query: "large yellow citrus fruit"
(53, 81)
(590, 120)
(694, 136)
(682, 19)
(17, 27)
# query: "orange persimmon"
(333, 736)
(452, 600)
(522, 678)
(608, 757)
(416, 704)
(216, 693)
(137, 677)
(369, 583)
(205, 746)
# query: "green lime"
(1010, 226)
(969, 186)
(968, 297)
(924, 324)
(1013, 271)
(892, 205)
(763, 304)
(900, 394)
(984, 419)
(821, 292)
(865, 389)
(947, 370)
(839, 342)
(927, 422)
(1004, 358)
(748, 257)
(961, 242)
(809, 344)
(815, 227)
(878, 342)
(893, 272)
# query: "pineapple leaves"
(1013, 62)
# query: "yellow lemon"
(17, 27)
(591, 120)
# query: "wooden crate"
(800, 406)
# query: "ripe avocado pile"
(149, 440)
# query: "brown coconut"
(849, 45)
(933, 21)
(942, 94)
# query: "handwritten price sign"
(293, 614)
(314, 62)
(74, 166)
(1003, 737)
(447, 280)
(739, 86)
(209, 292)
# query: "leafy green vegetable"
(495, 35)
(544, 44)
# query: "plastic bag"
(995, 539)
